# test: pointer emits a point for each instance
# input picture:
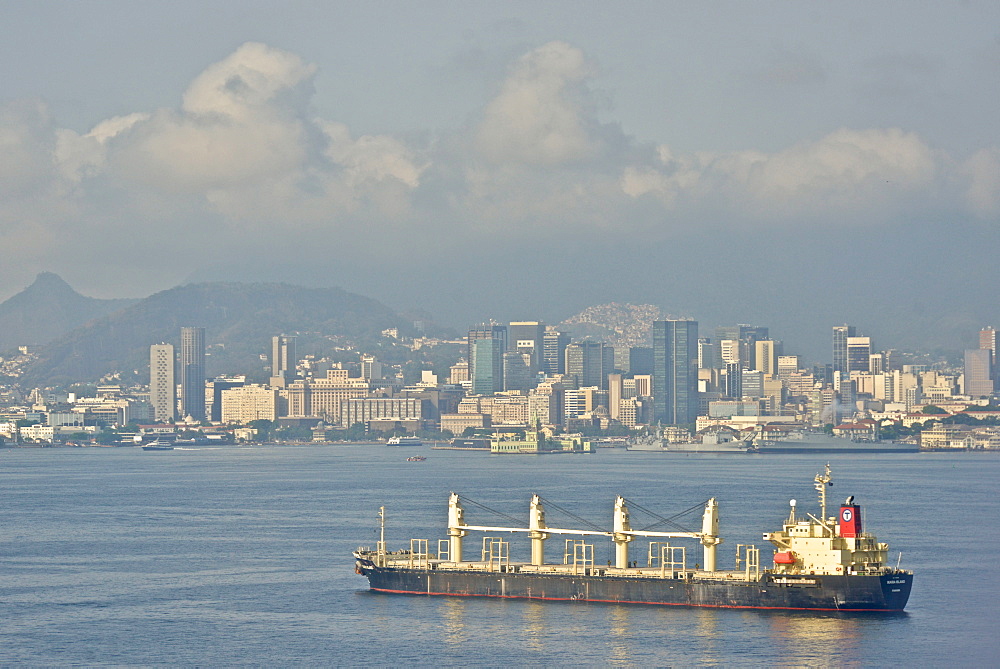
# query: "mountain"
(616, 324)
(48, 309)
(239, 320)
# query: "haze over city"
(793, 164)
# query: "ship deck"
(557, 569)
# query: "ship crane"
(622, 534)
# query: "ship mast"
(822, 481)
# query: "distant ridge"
(47, 310)
(618, 324)
(239, 320)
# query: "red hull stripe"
(621, 601)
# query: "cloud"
(542, 115)
(982, 173)
(242, 164)
(847, 170)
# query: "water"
(235, 556)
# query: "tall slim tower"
(193, 373)
(840, 335)
(988, 340)
(283, 359)
(554, 345)
(675, 371)
(162, 387)
(487, 366)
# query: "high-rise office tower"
(745, 337)
(489, 330)
(283, 360)
(840, 335)
(527, 337)
(554, 345)
(675, 371)
(988, 340)
(732, 380)
(859, 350)
(371, 368)
(517, 374)
(766, 352)
(162, 387)
(978, 372)
(193, 373)
(487, 366)
(588, 363)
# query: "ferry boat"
(404, 441)
(826, 563)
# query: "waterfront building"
(675, 371)
(213, 394)
(245, 403)
(193, 373)
(162, 387)
(322, 398)
(367, 409)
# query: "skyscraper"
(988, 340)
(554, 345)
(489, 330)
(283, 360)
(193, 373)
(527, 337)
(978, 372)
(859, 350)
(840, 335)
(487, 366)
(675, 371)
(588, 363)
(162, 387)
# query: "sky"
(790, 164)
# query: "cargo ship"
(819, 563)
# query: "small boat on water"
(159, 445)
(404, 441)
(416, 458)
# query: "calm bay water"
(235, 556)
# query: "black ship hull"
(877, 592)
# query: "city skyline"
(807, 165)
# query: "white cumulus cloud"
(542, 114)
